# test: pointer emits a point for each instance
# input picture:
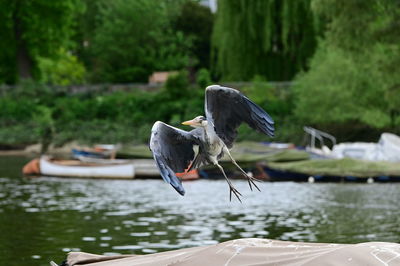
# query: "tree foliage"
(354, 76)
(134, 38)
(65, 69)
(196, 22)
(32, 28)
(272, 38)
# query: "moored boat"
(98, 151)
(334, 170)
(98, 168)
(75, 168)
(86, 159)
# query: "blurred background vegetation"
(337, 63)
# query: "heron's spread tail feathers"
(169, 176)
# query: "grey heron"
(214, 134)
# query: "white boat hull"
(118, 171)
(143, 167)
(387, 149)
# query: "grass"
(340, 167)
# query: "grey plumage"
(228, 108)
(173, 152)
(225, 110)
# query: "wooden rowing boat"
(75, 168)
(99, 168)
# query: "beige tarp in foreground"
(251, 251)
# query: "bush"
(65, 69)
(18, 134)
(30, 117)
(203, 78)
(279, 105)
(343, 89)
(13, 111)
(177, 84)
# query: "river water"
(44, 218)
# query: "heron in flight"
(214, 134)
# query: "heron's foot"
(233, 190)
(251, 181)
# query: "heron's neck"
(209, 133)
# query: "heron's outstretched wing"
(227, 108)
(173, 152)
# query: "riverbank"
(14, 153)
(35, 149)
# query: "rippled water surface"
(43, 219)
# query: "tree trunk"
(24, 62)
(23, 59)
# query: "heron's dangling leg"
(250, 179)
(231, 187)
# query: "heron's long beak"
(189, 123)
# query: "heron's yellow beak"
(189, 123)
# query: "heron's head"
(198, 121)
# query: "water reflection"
(44, 218)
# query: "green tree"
(203, 78)
(271, 38)
(32, 28)
(65, 69)
(196, 22)
(353, 77)
(134, 38)
(85, 29)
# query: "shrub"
(177, 84)
(203, 78)
(65, 69)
